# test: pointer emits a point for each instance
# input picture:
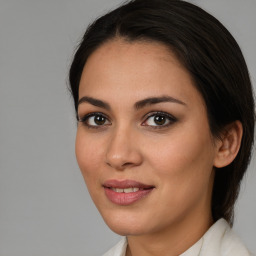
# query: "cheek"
(183, 169)
(186, 159)
(89, 155)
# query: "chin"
(127, 229)
(126, 224)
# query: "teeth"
(128, 190)
(125, 190)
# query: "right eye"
(94, 120)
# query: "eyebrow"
(94, 102)
(154, 100)
(138, 105)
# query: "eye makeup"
(154, 120)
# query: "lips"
(126, 192)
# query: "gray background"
(45, 208)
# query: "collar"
(218, 240)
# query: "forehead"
(118, 47)
(133, 53)
(135, 69)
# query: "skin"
(177, 158)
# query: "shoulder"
(220, 239)
(119, 249)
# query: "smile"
(126, 192)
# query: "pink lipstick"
(126, 192)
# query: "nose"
(123, 150)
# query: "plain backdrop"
(45, 209)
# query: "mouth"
(126, 192)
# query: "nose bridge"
(122, 150)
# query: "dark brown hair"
(211, 56)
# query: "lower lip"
(126, 198)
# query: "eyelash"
(84, 120)
(171, 119)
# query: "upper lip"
(125, 184)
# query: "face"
(143, 140)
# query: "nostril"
(119, 166)
(126, 164)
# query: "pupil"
(99, 120)
(160, 120)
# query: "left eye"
(159, 119)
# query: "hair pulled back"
(208, 52)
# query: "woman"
(165, 127)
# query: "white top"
(219, 240)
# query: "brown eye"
(94, 120)
(160, 119)
(99, 120)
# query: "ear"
(228, 145)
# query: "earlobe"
(229, 144)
